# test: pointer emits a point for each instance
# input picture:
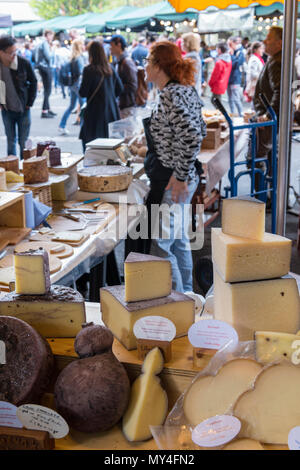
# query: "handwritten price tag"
(8, 415)
(212, 334)
(294, 438)
(42, 418)
(216, 431)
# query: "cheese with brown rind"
(120, 316)
(209, 395)
(146, 277)
(59, 313)
(271, 305)
(104, 178)
(243, 259)
(10, 163)
(35, 170)
(271, 408)
(32, 272)
(243, 216)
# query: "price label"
(212, 334)
(41, 418)
(155, 328)
(216, 431)
(294, 438)
(8, 415)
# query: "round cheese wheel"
(104, 178)
(35, 170)
(28, 366)
(10, 163)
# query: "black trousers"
(46, 76)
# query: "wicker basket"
(43, 194)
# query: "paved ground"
(42, 129)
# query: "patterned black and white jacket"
(177, 128)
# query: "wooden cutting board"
(13, 235)
(7, 268)
(60, 250)
(48, 238)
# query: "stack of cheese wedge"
(252, 288)
(147, 291)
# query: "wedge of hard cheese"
(146, 277)
(245, 259)
(210, 395)
(243, 216)
(272, 408)
(271, 305)
(274, 347)
(32, 272)
(148, 403)
(120, 316)
(58, 314)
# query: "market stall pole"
(288, 60)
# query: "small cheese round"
(104, 178)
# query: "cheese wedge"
(243, 444)
(210, 395)
(146, 277)
(32, 272)
(271, 305)
(148, 403)
(273, 347)
(58, 314)
(272, 408)
(244, 259)
(120, 316)
(244, 216)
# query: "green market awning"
(97, 22)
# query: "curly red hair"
(167, 56)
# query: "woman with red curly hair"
(174, 134)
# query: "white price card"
(212, 334)
(216, 431)
(41, 418)
(8, 415)
(154, 328)
(294, 438)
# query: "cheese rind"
(244, 259)
(120, 316)
(35, 170)
(271, 305)
(146, 277)
(243, 217)
(59, 313)
(148, 403)
(104, 178)
(210, 395)
(32, 272)
(272, 408)
(272, 347)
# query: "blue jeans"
(175, 244)
(16, 124)
(235, 99)
(74, 95)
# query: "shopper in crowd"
(127, 71)
(191, 45)
(43, 62)
(174, 134)
(100, 86)
(18, 88)
(76, 68)
(220, 75)
(254, 67)
(234, 90)
(140, 52)
(62, 55)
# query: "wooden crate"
(12, 210)
(212, 140)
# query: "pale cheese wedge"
(244, 216)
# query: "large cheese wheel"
(28, 366)
(10, 163)
(104, 178)
(35, 170)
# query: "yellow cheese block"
(57, 314)
(120, 316)
(32, 272)
(210, 395)
(146, 277)
(273, 347)
(243, 217)
(271, 305)
(148, 403)
(243, 444)
(244, 259)
(272, 408)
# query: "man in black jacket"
(18, 88)
(127, 72)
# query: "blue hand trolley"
(267, 176)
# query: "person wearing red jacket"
(218, 81)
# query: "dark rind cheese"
(54, 156)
